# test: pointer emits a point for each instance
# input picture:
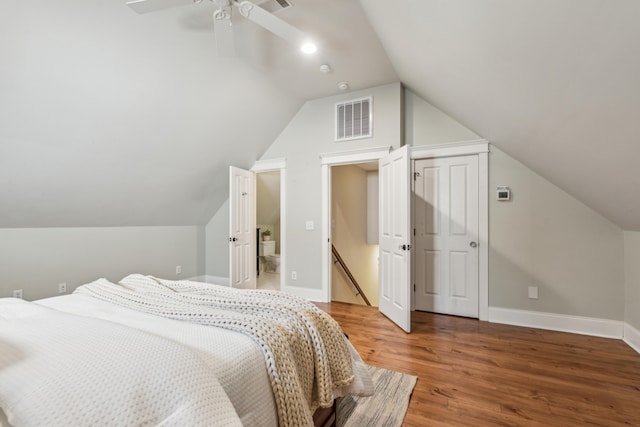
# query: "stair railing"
(340, 261)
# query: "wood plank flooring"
(473, 373)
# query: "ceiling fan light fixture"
(308, 47)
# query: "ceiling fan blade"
(225, 44)
(271, 22)
(146, 6)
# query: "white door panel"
(242, 241)
(395, 238)
(445, 200)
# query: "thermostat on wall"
(504, 194)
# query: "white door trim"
(327, 161)
(481, 148)
(272, 165)
(354, 156)
(269, 165)
(450, 149)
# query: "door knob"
(473, 244)
(233, 239)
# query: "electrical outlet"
(178, 269)
(62, 288)
(17, 293)
(294, 275)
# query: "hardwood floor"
(484, 374)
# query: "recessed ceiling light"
(343, 85)
(325, 68)
(308, 47)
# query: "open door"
(242, 227)
(395, 238)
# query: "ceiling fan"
(223, 16)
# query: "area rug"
(388, 405)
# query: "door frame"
(278, 165)
(327, 161)
(478, 147)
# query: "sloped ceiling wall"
(107, 119)
(555, 84)
(110, 118)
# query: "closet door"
(445, 212)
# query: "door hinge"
(414, 231)
(414, 287)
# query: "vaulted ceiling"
(556, 84)
(112, 118)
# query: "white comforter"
(236, 360)
(58, 369)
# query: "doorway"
(354, 233)
(268, 230)
(394, 238)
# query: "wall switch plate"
(17, 293)
(178, 269)
(62, 288)
(533, 292)
(309, 225)
(294, 275)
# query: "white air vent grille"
(354, 119)
(274, 6)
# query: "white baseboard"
(216, 280)
(310, 294)
(558, 322)
(632, 337)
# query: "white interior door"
(446, 235)
(242, 240)
(395, 238)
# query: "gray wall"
(309, 134)
(424, 124)
(217, 245)
(544, 237)
(36, 260)
(632, 278)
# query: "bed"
(120, 354)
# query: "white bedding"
(237, 362)
(58, 369)
(234, 358)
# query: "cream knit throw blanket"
(305, 351)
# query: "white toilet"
(270, 261)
